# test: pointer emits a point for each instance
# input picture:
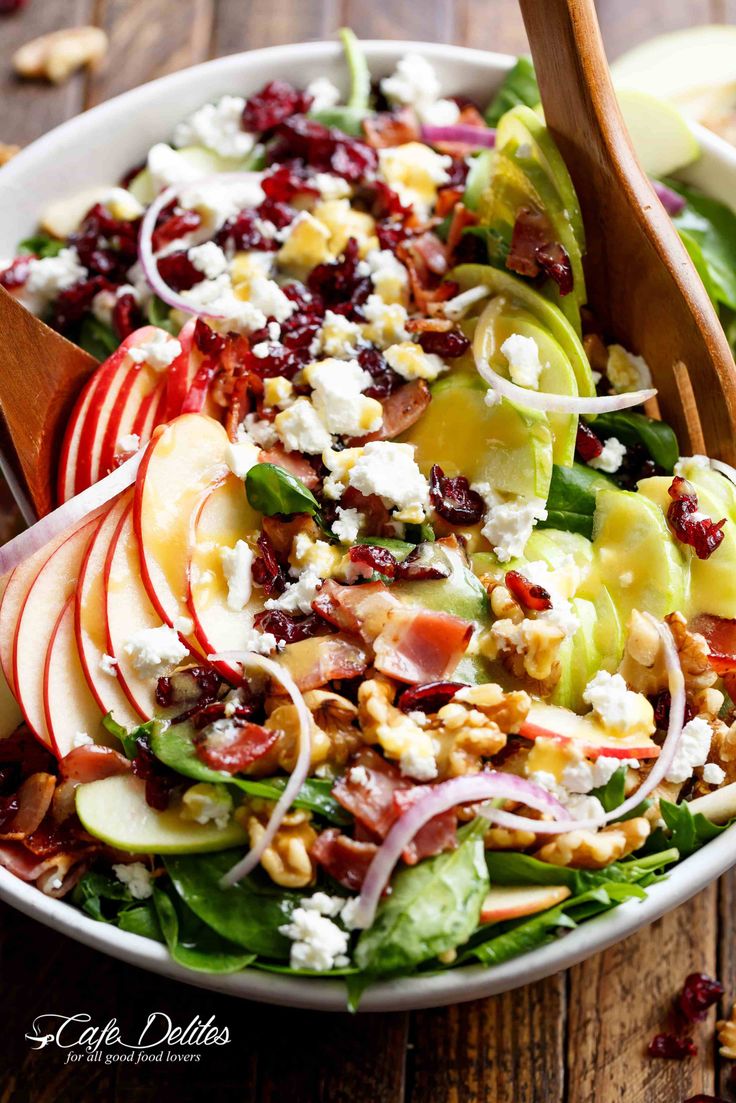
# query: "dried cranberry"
(106, 245)
(699, 992)
(244, 232)
(340, 284)
(379, 559)
(207, 341)
(174, 227)
(423, 565)
(528, 595)
(72, 304)
(280, 214)
(290, 629)
(672, 1046)
(453, 499)
(637, 464)
(323, 149)
(390, 234)
(386, 203)
(266, 569)
(555, 263)
(306, 301)
(178, 272)
(275, 102)
(298, 331)
(701, 533)
(16, 274)
(429, 697)
(160, 780)
(385, 379)
(207, 714)
(126, 315)
(285, 182)
(457, 173)
(661, 705)
(448, 345)
(587, 445)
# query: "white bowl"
(98, 147)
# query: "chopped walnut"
(503, 605)
(723, 748)
(286, 860)
(57, 55)
(727, 1035)
(596, 850)
(382, 722)
(501, 838)
(334, 734)
(643, 666)
(529, 650)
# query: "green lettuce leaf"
(711, 226)
(689, 830)
(632, 428)
(518, 86)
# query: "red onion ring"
(541, 400)
(301, 766)
(672, 202)
(477, 136)
(26, 543)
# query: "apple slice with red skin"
(72, 439)
(91, 621)
(69, 707)
(181, 374)
(10, 714)
(127, 611)
(513, 901)
(222, 517)
(565, 726)
(182, 460)
(46, 598)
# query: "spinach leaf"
(159, 314)
(518, 86)
(248, 914)
(712, 226)
(632, 428)
(101, 896)
(192, 943)
(509, 868)
(701, 264)
(143, 920)
(272, 490)
(96, 338)
(42, 245)
(611, 795)
(174, 747)
(433, 907)
(129, 738)
(689, 830)
(571, 499)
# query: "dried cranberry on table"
(453, 499)
(703, 534)
(673, 1047)
(526, 593)
(278, 100)
(699, 993)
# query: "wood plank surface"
(574, 1038)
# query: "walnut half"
(596, 850)
(56, 56)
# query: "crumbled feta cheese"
(339, 336)
(420, 766)
(222, 198)
(581, 777)
(268, 297)
(49, 276)
(713, 774)
(583, 807)
(131, 442)
(347, 916)
(167, 167)
(389, 276)
(184, 625)
(229, 312)
(509, 522)
(324, 94)
(522, 354)
(318, 943)
(625, 371)
(313, 555)
(298, 596)
(331, 187)
(123, 204)
(330, 906)
(457, 308)
(693, 750)
(348, 524)
(263, 643)
(205, 803)
(410, 361)
(217, 126)
(136, 878)
(236, 566)
(278, 391)
(109, 665)
(338, 464)
(155, 652)
(385, 322)
(81, 739)
(415, 172)
(415, 84)
(261, 431)
(689, 463)
(241, 454)
(338, 400)
(610, 458)
(159, 352)
(103, 305)
(390, 471)
(209, 259)
(300, 428)
(618, 707)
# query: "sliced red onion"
(458, 790)
(24, 545)
(148, 257)
(301, 767)
(672, 202)
(477, 136)
(542, 400)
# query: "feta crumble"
(167, 167)
(713, 774)
(324, 94)
(415, 84)
(206, 803)
(385, 322)
(337, 397)
(339, 336)
(410, 361)
(131, 442)
(218, 200)
(155, 652)
(236, 566)
(299, 595)
(522, 354)
(389, 276)
(390, 471)
(209, 259)
(49, 276)
(457, 308)
(300, 428)
(217, 126)
(618, 708)
(611, 457)
(158, 353)
(415, 172)
(693, 750)
(626, 372)
(509, 522)
(241, 455)
(318, 943)
(348, 524)
(136, 877)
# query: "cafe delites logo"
(158, 1040)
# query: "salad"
(380, 628)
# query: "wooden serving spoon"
(642, 285)
(41, 375)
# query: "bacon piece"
(360, 609)
(430, 325)
(55, 875)
(447, 198)
(401, 409)
(314, 662)
(420, 275)
(461, 219)
(421, 645)
(432, 251)
(720, 635)
(293, 462)
(233, 753)
(92, 763)
(34, 799)
(391, 128)
(377, 517)
(534, 250)
(346, 860)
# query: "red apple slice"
(91, 621)
(72, 438)
(69, 707)
(51, 588)
(180, 375)
(513, 901)
(223, 517)
(10, 714)
(181, 462)
(565, 726)
(128, 610)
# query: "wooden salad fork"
(642, 285)
(41, 374)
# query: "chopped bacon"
(315, 662)
(526, 593)
(534, 250)
(236, 749)
(431, 251)
(430, 325)
(461, 219)
(421, 645)
(293, 462)
(720, 635)
(344, 859)
(391, 128)
(32, 801)
(401, 409)
(447, 198)
(92, 763)
(420, 275)
(360, 609)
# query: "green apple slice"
(659, 133)
(580, 657)
(115, 811)
(207, 162)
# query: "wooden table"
(578, 1037)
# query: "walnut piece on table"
(727, 1035)
(55, 56)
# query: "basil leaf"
(272, 490)
(159, 314)
(248, 914)
(571, 499)
(433, 907)
(42, 245)
(192, 943)
(689, 830)
(518, 86)
(712, 226)
(96, 338)
(633, 428)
